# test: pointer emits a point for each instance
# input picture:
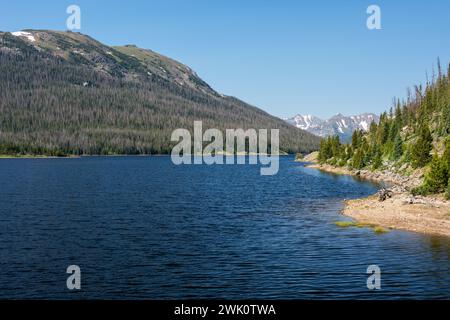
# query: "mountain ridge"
(65, 93)
(340, 125)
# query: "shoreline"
(426, 215)
(26, 156)
(30, 156)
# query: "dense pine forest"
(413, 135)
(67, 94)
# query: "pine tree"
(446, 119)
(446, 154)
(377, 161)
(421, 151)
(437, 178)
(428, 109)
(325, 151)
(398, 115)
(383, 129)
(398, 146)
(357, 162)
(356, 139)
(335, 146)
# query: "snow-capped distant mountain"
(306, 122)
(337, 125)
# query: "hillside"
(64, 93)
(412, 139)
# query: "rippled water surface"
(140, 227)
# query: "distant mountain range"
(338, 124)
(65, 93)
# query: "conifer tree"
(398, 146)
(357, 161)
(437, 178)
(421, 152)
(446, 154)
(377, 161)
(404, 132)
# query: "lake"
(143, 228)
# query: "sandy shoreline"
(430, 215)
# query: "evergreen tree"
(421, 151)
(377, 161)
(325, 150)
(398, 146)
(398, 116)
(445, 128)
(357, 161)
(356, 139)
(437, 178)
(446, 154)
(428, 109)
(384, 130)
(335, 146)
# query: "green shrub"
(345, 224)
(436, 179)
(342, 162)
(422, 190)
(380, 230)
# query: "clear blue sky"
(286, 57)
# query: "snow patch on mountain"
(338, 124)
(27, 35)
(305, 122)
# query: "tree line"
(60, 106)
(413, 134)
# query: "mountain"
(306, 122)
(339, 124)
(65, 93)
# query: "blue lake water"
(143, 228)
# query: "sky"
(285, 57)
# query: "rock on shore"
(402, 211)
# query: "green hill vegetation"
(413, 135)
(65, 93)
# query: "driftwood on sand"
(384, 193)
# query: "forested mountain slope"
(64, 93)
(412, 138)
